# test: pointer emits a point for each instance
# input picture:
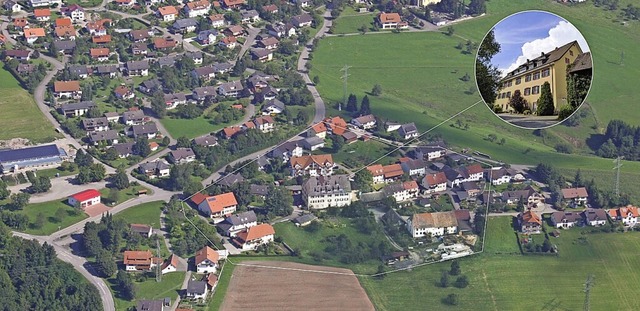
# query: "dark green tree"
(444, 279)
(462, 282)
(488, 76)
(477, 7)
(39, 222)
(59, 215)
(166, 141)
(141, 146)
(120, 180)
(158, 105)
(362, 181)
(336, 143)
(41, 184)
(19, 200)
(83, 159)
(365, 106)
(451, 299)
(352, 103)
(578, 181)
(545, 101)
(455, 268)
(105, 264)
(376, 90)
(517, 102)
(183, 142)
(4, 190)
(278, 202)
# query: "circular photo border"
(520, 84)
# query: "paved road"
(302, 62)
(250, 40)
(80, 264)
(61, 187)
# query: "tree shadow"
(595, 141)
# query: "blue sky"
(526, 34)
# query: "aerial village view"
(162, 155)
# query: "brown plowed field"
(261, 288)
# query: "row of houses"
(531, 223)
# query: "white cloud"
(559, 35)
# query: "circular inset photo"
(533, 69)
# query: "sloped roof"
(256, 232)
(86, 195)
(306, 160)
(66, 86)
(434, 220)
(206, 253)
(571, 193)
(217, 203)
(530, 217)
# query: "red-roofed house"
(377, 171)
(312, 165)
(42, 15)
(255, 236)
(168, 13)
(217, 205)
(170, 265)
(139, 260)
(436, 182)
(231, 131)
(101, 39)
(265, 124)
(197, 8)
(392, 172)
(100, 54)
(336, 125)
(63, 21)
(529, 222)
(32, 34)
(628, 215)
(84, 199)
(575, 196)
(233, 4)
(389, 20)
(319, 129)
(206, 260)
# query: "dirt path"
(486, 283)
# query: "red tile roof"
(167, 10)
(198, 198)
(389, 18)
(217, 203)
(86, 195)
(393, 170)
(206, 253)
(436, 178)
(63, 21)
(101, 39)
(337, 124)
(306, 160)
(531, 217)
(66, 86)
(34, 32)
(99, 52)
(137, 257)
(376, 169)
(571, 193)
(41, 12)
(256, 232)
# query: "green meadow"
(19, 114)
(503, 279)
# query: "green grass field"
(350, 21)
(150, 289)
(85, 3)
(48, 210)
(20, 116)
(192, 128)
(308, 242)
(515, 282)
(359, 154)
(124, 194)
(147, 213)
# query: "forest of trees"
(32, 278)
(621, 139)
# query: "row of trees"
(621, 139)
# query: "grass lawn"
(147, 213)
(500, 276)
(20, 117)
(350, 21)
(51, 172)
(48, 210)
(84, 3)
(192, 128)
(308, 242)
(123, 195)
(150, 289)
(359, 154)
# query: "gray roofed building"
(110, 136)
(25, 68)
(565, 219)
(137, 65)
(250, 14)
(302, 20)
(79, 70)
(287, 149)
(327, 185)
(184, 24)
(149, 305)
(106, 69)
(182, 155)
(313, 142)
(237, 221)
(68, 109)
(30, 157)
(232, 88)
(19, 54)
(65, 46)
(304, 220)
(262, 54)
(133, 117)
(273, 106)
(154, 169)
(150, 86)
(125, 149)
(206, 72)
(95, 124)
(222, 67)
(200, 93)
(150, 129)
(206, 140)
(140, 35)
(464, 219)
(231, 179)
(196, 289)
(194, 55)
(259, 190)
(408, 130)
(139, 48)
(166, 61)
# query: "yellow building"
(529, 77)
(424, 2)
